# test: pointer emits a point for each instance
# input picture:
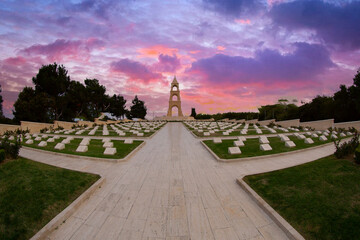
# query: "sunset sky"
(228, 55)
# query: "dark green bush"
(11, 149)
(357, 155)
(2, 155)
(347, 147)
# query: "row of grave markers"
(265, 144)
(83, 146)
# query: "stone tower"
(174, 102)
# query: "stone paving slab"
(172, 188)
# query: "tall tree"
(138, 109)
(53, 81)
(77, 101)
(117, 106)
(193, 113)
(97, 99)
(31, 106)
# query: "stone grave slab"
(265, 147)
(242, 138)
(300, 136)
(51, 140)
(82, 148)
(290, 144)
(85, 142)
(110, 151)
(263, 140)
(29, 141)
(284, 138)
(322, 138)
(217, 140)
(342, 135)
(60, 146)
(234, 150)
(128, 141)
(309, 141)
(108, 144)
(239, 143)
(42, 144)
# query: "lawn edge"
(67, 212)
(114, 160)
(277, 218)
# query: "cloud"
(167, 63)
(233, 8)
(62, 49)
(268, 66)
(135, 70)
(335, 24)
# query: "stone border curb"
(67, 212)
(280, 221)
(263, 156)
(91, 158)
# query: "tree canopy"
(138, 109)
(56, 97)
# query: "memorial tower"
(175, 102)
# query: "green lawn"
(252, 147)
(32, 193)
(321, 199)
(95, 148)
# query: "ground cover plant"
(252, 147)
(95, 148)
(33, 193)
(319, 199)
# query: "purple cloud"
(335, 24)
(61, 48)
(167, 63)
(134, 70)
(233, 8)
(269, 66)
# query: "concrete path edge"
(67, 212)
(280, 221)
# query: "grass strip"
(33, 193)
(321, 199)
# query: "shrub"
(59, 128)
(357, 155)
(2, 155)
(11, 149)
(43, 130)
(346, 147)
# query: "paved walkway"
(171, 189)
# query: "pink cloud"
(243, 21)
(64, 50)
(156, 50)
